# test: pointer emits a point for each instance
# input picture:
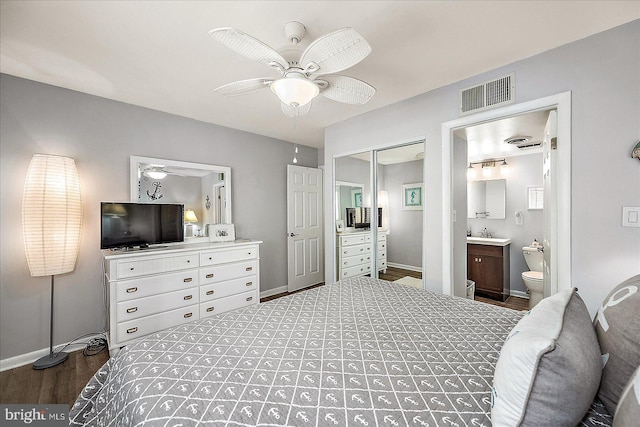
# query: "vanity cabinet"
(150, 290)
(354, 252)
(488, 266)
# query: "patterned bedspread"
(361, 352)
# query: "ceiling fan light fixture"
(295, 89)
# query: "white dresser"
(354, 253)
(150, 290)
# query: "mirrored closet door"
(384, 242)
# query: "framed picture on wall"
(412, 196)
(356, 195)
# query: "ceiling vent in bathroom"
(523, 142)
(488, 95)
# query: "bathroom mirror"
(486, 199)
(348, 195)
(202, 188)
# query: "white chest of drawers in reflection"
(354, 253)
(150, 290)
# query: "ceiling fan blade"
(243, 86)
(291, 111)
(336, 51)
(248, 46)
(346, 89)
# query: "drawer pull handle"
(131, 269)
(249, 298)
(345, 252)
(188, 297)
(209, 292)
(186, 316)
(132, 309)
(249, 283)
(248, 268)
(361, 249)
(210, 259)
(210, 309)
(188, 279)
(131, 290)
(209, 276)
(132, 330)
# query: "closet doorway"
(386, 242)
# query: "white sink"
(492, 241)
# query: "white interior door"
(550, 204)
(304, 227)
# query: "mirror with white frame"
(202, 188)
(348, 195)
(486, 199)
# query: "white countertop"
(492, 241)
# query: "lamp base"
(51, 359)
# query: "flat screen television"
(361, 217)
(126, 225)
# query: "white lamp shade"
(51, 215)
(294, 90)
(190, 216)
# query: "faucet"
(485, 233)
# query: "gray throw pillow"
(617, 325)
(628, 411)
(549, 368)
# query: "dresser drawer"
(232, 302)
(220, 273)
(146, 325)
(356, 239)
(355, 250)
(382, 245)
(222, 257)
(355, 271)
(160, 264)
(140, 307)
(147, 286)
(230, 287)
(352, 261)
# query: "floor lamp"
(51, 222)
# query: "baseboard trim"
(519, 294)
(274, 291)
(28, 358)
(404, 267)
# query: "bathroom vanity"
(488, 266)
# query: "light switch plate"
(631, 216)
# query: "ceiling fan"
(303, 74)
(159, 171)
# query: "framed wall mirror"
(348, 195)
(204, 189)
(486, 199)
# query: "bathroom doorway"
(503, 212)
(557, 195)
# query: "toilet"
(533, 279)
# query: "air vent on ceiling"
(522, 142)
(488, 95)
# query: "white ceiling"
(158, 54)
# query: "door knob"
(293, 234)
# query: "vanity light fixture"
(487, 168)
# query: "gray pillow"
(549, 368)
(628, 411)
(617, 325)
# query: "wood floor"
(63, 383)
(60, 384)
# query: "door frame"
(561, 102)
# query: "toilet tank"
(533, 257)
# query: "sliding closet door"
(400, 199)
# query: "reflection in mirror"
(202, 188)
(486, 199)
(348, 195)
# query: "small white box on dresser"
(150, 290)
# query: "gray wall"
(603, 74)
(405, 226)
(524, 172)
(101, 135)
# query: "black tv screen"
(126, 225)
(361, 217)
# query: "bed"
(360, 352)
